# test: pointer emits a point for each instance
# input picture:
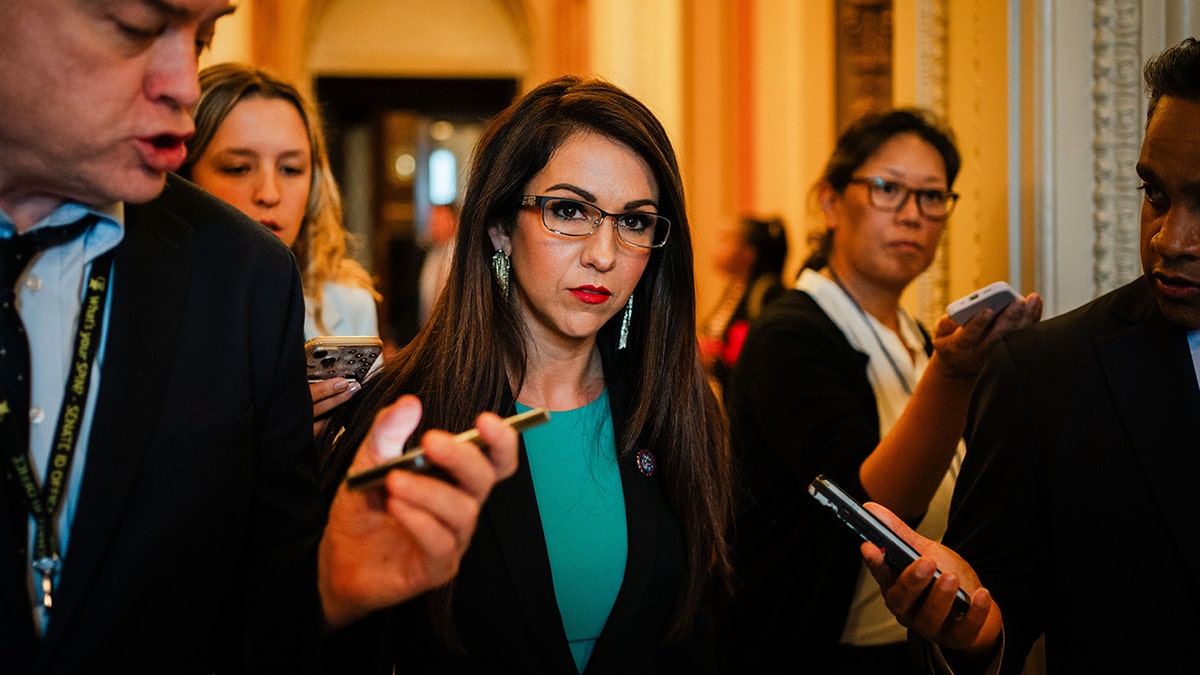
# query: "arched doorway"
(401, 83)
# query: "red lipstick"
(592, 295)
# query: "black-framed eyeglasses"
(573, 218)
(889, 195)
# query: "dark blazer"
(193, 546)
(1077, 503)
(505, 609)
(800, 404)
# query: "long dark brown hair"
(465, 356)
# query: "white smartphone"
(896, 551)
(414, 460)
(348, 356)
(995, 296)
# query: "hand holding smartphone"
(896, 551)
(348, 356)
(414, 460)
(995, 296)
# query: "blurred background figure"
(751, 253)
(443, 221)
(259, 145)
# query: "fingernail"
(341, 385)
(924, 570)
(354, 386)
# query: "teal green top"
(573, 459)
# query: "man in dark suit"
(1076, 505)
(159, 510)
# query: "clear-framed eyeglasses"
(573, 218)
(889, 195)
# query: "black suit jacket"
(1077, 503)
(505, 609)
(193, 546)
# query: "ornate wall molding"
(932, 69)
(863, 60)
(931, 55)
(1117, 136)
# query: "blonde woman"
(259, 146)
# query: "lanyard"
(44, 501)
(878, 340)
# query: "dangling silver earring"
(500, 266)
(623, 340)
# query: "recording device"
(995, 296)
(415, 460)
(348, 356)
(896, 551)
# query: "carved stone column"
(932, 285)
(1117, 134)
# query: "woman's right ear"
(825, 196)
(826, 200)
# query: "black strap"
(45, 500)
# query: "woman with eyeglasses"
(836, 378)
(571, 288)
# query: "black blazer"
(193, 546)
(505, 609)
(800, 404)
(1077, 503)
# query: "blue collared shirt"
(1194, 343)
(49, 295)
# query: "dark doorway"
(382, 135)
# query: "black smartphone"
(348, 356)
(896, 551)
(414, 460)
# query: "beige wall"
(793, 124)
(269, 33)
(977, 246)
(709, 160)
(231, 42)
(416, 38)
(745, 87)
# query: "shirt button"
(33, 283)
(36, 415)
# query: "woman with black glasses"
(572, 289)
(836, 378)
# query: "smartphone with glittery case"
(348, 356)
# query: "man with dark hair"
(159, 509)
(1076, 506)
